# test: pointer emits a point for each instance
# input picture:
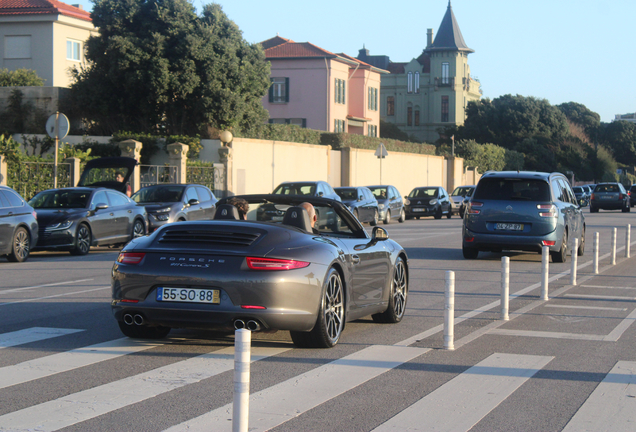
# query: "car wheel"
(402, 216)
(450, 213)
(470, 253)
(625, 208)
(387, 217)
(581, 250)
(82, 240)
(397, 297)
(461, 213)
(143, 331)
(561, 255)
(438, 213)
(20, 246)
(331, 317)
(139, 229)
(374, 222)
(417, 217)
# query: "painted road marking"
(91, 403)
(585, 307)
(54, 296)
(469, 397)
(282, 402)
(599, 297)
(612, 405)
(608, 287)
(63, 362)
(546, 334)
(12, 290)
(32, 334)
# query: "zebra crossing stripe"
(612, 405)
(32, 334)
(91, 403)
(62, 362)
(282, 402)
(462, 402)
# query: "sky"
(560, 50)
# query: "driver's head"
(311, 211)
(119, 176)
(241, 205)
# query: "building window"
(409, 88)
(416, 116)
(445, 73)
(292, 121)
(338, 126)
(390, 106)
(444, 108)
(373, 99)
(417, 82)
(73, 50)
(409, 116)
(17, 47)
(340, 91)
(279, 90)
(373, 131)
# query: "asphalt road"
(561, 364)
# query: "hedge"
(340, 140)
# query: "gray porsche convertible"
(261, 275)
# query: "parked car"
(74, 219)
(582, 195)
(460, 197)
(632, 195)
(428, 201)
(361, 202)
(610, 196)
(228, 274)
(166, 203)
(390, 203)
(523, 211)
(18, 226)
(109, 172)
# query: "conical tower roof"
(449, 36)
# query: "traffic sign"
(381, 152)
(57, 126)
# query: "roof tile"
(42, 7)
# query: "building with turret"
(431, 91)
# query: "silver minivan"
(523, 211)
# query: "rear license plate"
(415, 210)
(607, 197)
(188, 295)
(509, 226)
(277, 218)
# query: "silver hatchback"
(523, 211)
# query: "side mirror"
(360, 198)
(193, 201)
(320, 194)
(101, 206)
(380, 234)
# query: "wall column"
(225, 155)
(178, 156)
(3, 170)
(345, 166)
(131, 148)
(75, 170)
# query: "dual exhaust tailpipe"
(136, 319)
(251, 325)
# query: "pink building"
(317, 89)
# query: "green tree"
(158, 67)
(390, 130)
(20, 77)
(579, 114)
(620, 138)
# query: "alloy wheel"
(400, 288)
(138, 229)
(83, 239)
(334, 308)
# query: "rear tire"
(470, 253)
(561, 255)
(438, 213)
(331, 317)
(387, 217)
(402, 216)
(397, 296)
(20, 246)
(450, 213)
(374, 222)
(143, 332)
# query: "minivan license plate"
(509, 226)
(188, 295)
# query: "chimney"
(79, 6)
(429, 38)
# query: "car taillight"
(548, 242)
(274, 264)
(131, 258)
(35, 215)
(592, 197)
(551, 210)
(620, 196)
(474, 207)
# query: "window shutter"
(271, 91)
(304, 123)
(286, 89)
(344, 92)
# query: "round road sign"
(62, 128)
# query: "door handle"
(129, 211)
(355, 259)
(112, 214)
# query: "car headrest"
(226, 211)
(298, 217)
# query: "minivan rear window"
(505, 189)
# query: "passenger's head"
(241, 205)
(311, 211)
(119, 176)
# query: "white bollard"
(575, 257)
(628, 234)
(545, 271)
(614, 246)
(449, 312)
(241, 406)
(595, 256)
(505, 287)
